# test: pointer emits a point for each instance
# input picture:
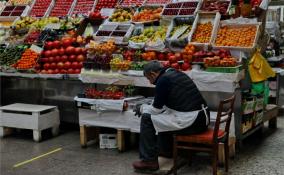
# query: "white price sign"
(53, 26)
(36, 48)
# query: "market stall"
(51, 56)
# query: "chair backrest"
(224, 115)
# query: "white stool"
(27, 116)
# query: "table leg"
(37, 135)
(55, 130)
(83, 136)
(272, 123)
(120, 140)
(4, 131)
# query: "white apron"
(167, 119)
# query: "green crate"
(225, 69)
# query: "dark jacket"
(177, 91)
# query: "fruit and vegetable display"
(61, 8)
(202, 33)
(62, 56)
(105, 4)
(10, 55)
(147, 14)
(110, 36)
(237, 36)
(40, 8)
(216, 5)
(105, 94)
(83, 7)
(28, 60)
(12, 10)
(121, 15)
(180, 8)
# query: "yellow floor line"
(36, 158)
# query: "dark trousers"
(150, 144)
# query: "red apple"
(72, 58)
(61, 51)
(175, 65)
(53, 65)
(70, 71)
(60, 65)
(78, 50)
(67, 65)
(74, 65)
(54, 52)
(63, 71)
(64, 58)
(185, 66)
(80, 58)
(77, 71)
(56, 44)
(47, 53)
(66, 42)
(57, 58)
(70, 50)
(46, 66)
(172, 59)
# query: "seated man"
(178, 107)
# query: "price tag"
(53, 26)
(107, 11)
(36, 48)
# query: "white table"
(29, 116)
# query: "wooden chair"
(210, 139)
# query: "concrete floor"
(259, 157)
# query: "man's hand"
(137, 110)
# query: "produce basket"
(235, 26)
(15, 11)
(210, 6)
(99, 4)
(175, 34)
(83, 7)
(225, 69)
(139, 10)
(36, 7)
(187, 8)
(155, 2)
(119, 32)
(132, 11)
(7, 21)
(203, 18)
(129, 3)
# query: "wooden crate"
(27, 116)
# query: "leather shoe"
(146, 165)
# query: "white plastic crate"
(108, 141)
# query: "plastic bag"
(259, 68)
